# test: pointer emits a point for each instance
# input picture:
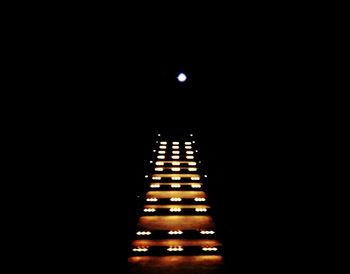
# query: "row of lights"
(175, 199)
(176, 143)
(176, 157)
(175, 232)
(176, 169)
(175, 209)
(176, 186)
(176, 152)
(174, 147)
(172, 248)
(176, 178)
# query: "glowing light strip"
(140, 249)
(175, 199)
(161, 157)
(175, 232)
(149, 210)
(207, 232)
(209, 249)
(151, 199)
(175, 248)
(143, 233)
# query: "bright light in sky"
(182, 77)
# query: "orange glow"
(178, 175)
(179, 222)
(202, 264)
(177, 206)
(180, 194)
(176, 242)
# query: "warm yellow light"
(189, 152)
(159, 163)
(188, 147)
(192, 169)
(189, 157)
(161, 151)
(140, 249)
(175, 185)
(156, 178)
(163, 143)
(209, 249)
(175, 143)
(176, 178)
(143, 233)
(161, 157)
(155, 185)
(175, 232)
(151, 199)
(176, 152)
(192, 163)
(175, 248)
(175, 199)
(195, 178)
(175, 163)
(199, 199)
(196, 186)
(159, 169)
(207, 232)
(201, 209)
(175, 169)
(175, 157)
(175, 209)
(149, 210)
(162, 147)
(175, 147)
(188, 143)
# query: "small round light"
(181, 77)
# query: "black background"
(101, 94)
